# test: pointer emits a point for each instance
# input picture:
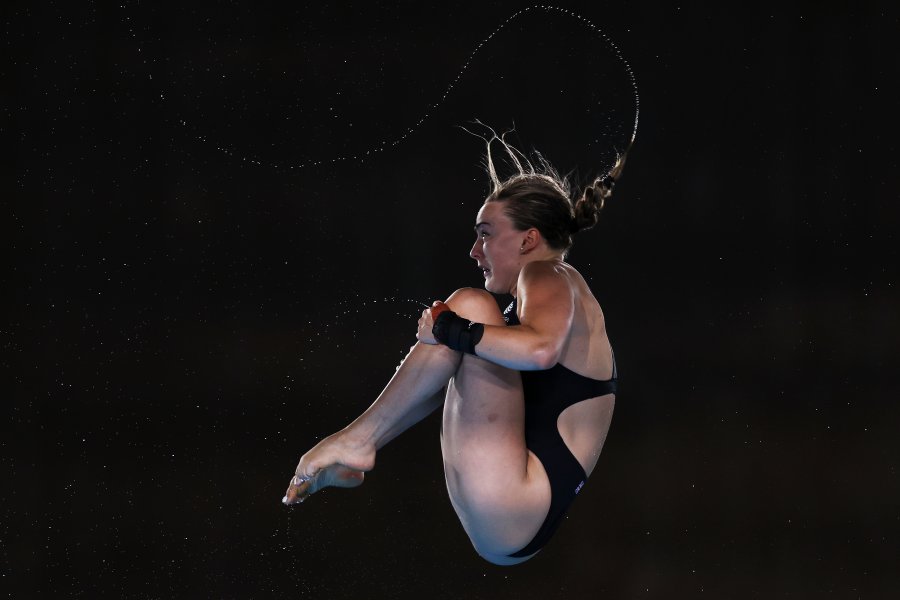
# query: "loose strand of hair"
(491, 169)
(512, 151)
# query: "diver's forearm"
(519, 347)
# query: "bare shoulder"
(545, 271)
(555, 274)
(546, 284)
(581, 291)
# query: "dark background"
(191, 303)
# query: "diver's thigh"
(498, 488)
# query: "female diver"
(529, 392)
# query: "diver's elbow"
(544, 356)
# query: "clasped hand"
(426, 322)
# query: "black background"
(191, 303)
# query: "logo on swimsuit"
(580, 485)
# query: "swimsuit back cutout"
(547, 394)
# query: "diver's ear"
(530, 239)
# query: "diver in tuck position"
(529, 392)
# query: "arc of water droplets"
(354, 306)
(410, 130)
(350, 308)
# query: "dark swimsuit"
(547, 394)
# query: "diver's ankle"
(360, 436)
(359, 439)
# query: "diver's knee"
(474, 304)
(469, 295)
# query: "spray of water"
(386, 144)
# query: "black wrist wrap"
(457, 333)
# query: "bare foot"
(336, 461)
(333, 476)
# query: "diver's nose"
(475, 252)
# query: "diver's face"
(497, 248)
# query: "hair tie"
(608, 181)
